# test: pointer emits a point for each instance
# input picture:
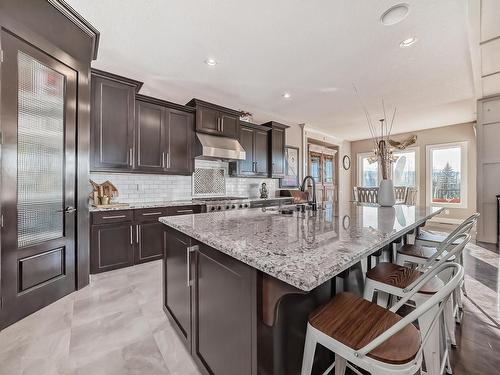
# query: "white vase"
(386, 195)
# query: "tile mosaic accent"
(209, 181)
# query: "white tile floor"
(114, 326)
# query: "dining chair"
(365, 194)
(376, 339)
(400, 193)
(411, 196)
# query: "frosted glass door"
(40, 156)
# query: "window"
(405, 169)
(367, 173)
(447, 175)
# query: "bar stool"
(373, 338)
(420, 253)
(389, 279)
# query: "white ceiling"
(265, 48)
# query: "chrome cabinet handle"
(151, 213)
(222, 124)
(168, 159)
(137, 234)
(131, 236)
(131, 157)
(114, 217)
(184, 211)
(255, 167)
(189, 250)
(163, 159)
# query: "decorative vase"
(386, 197)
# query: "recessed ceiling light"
(328, 89)
(395, 14)
(286, 95)
(408, 42)
(211, 62)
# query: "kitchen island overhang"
(239, 285)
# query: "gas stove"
(225, 203)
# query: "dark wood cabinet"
(214, 119)
(112, 121)
(151, 134)
(254, 139)
(150, 241)
(223, 313)
(180, 131)
(177, 286)
(277, 143)
(210, 298)
(112, 246)
(164, 137)
(121, 238)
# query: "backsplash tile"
(138, 188)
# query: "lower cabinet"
(127, 237)
(149, 241)
(112, 246)
(211, 298)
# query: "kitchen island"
(239, 285)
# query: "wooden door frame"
(74, 42)
(336, 174)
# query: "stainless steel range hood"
(216, 148)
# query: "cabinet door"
(112, 246)
(150, 131)
(261, 152)
(208, 120)
(224, 313)
(112, 125)
(229, 125)
(177, 291)
(247, 142)
(278, 152)
(150, 241)
(180, 136)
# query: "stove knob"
(212, 208)
(246, 205)
(241, 206)
(233, 206)
(219, 208)
(227, 207)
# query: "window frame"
(416, 150)
(464, 146)
(360, 156)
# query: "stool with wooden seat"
(389, 279)
(374, 338)
(419, 254)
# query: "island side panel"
(221, 334)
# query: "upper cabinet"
(137, 133)
(164, 136)
(277, 149)
(112, 122)
(214, 119)
(254, 139)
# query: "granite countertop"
(197, 201)
(303, 249)
(135, 206)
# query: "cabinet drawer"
(150, 214)
(491, 111)
(112, 216)
(185, 210)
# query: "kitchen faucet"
(313, 204)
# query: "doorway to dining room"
(322, 165)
